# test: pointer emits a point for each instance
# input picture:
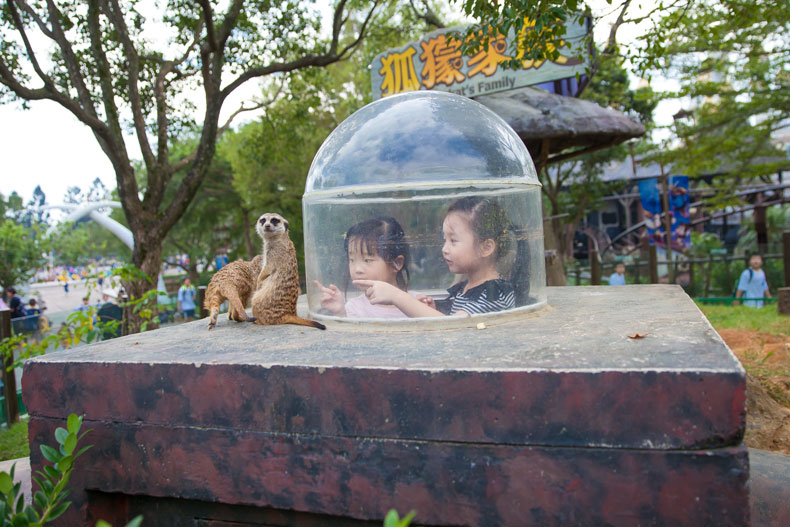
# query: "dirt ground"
(766, 359)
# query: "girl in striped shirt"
(475, 238)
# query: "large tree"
(730, 59)
(98, 60)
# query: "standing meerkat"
(274, 302)
(235, 283)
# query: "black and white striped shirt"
(493, 295)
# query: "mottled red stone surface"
(558, 419)
(447, 483)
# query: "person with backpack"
(186, 300)
(753, 284)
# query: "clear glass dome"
(429, 203)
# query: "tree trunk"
(192, 272)
(147, 257)
(555, 263)
(245, 228)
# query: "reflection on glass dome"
(419, 206)
(417, 137)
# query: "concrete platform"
(557, 419)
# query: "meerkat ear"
(286, 224)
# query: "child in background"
(376, 250)
(475, 238)
(618, 276)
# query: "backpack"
(738, 281)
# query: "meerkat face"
(271, 224)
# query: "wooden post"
(9, 378)
(708, 275)
(783, 300)
(653, 264)
(690, 287)
(202, 311)
(761, 226)
(636, 271)
(667, 223)
(595, 268)
(786, 256)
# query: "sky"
(46, 145)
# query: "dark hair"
(384, 237)
(11, 290)
(488, 221)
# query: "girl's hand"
(331, 299)
(427, 300)
(378, 292)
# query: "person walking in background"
(85, 304)
(618, 276)
(753, 283)
(17, 309)
(110, 312)
(186, 300)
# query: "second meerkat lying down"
(235, 283)
(274, 301)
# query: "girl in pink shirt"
(376, 250)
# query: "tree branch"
(127, 184)
(115, 14)
(362, 31)
(308, 60)
(48, 82)
(610, 49)
(229, 22)
(208, 18)
(429, 16)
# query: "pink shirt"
(360, 307)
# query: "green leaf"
(407, 519)
(20, 521)
(136, 522)
(82, 451)
(60, 435)
(50, 454)
(391, 519)
(102, 523)
(51, 472)
(6, 483)
(59, 510)
(65, 463)
(71, 444)
(73, 423)
(40, 499)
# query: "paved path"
(21, 474)
(57, 300)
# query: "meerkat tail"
(293, 319)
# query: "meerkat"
(274, 302)
(235, 283)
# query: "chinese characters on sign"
(435, 63)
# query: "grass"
(765, 320)
(13, 441)
(760, 354)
